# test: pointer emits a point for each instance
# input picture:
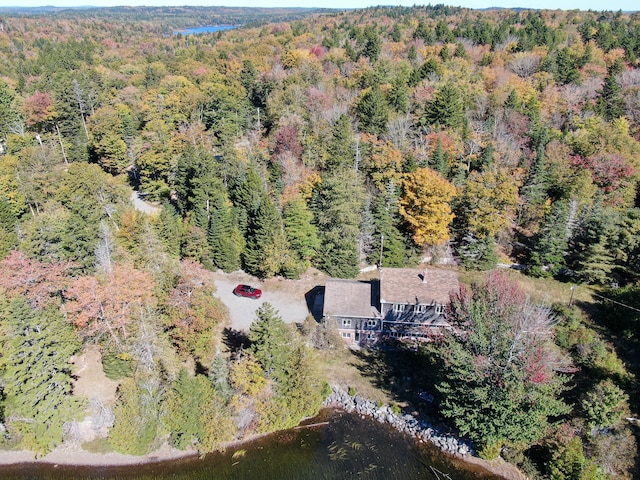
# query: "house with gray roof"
(404, 303)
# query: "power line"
(616, 302)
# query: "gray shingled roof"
(349, 298)
(406, 285)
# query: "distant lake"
(205, 29)
(339, 446)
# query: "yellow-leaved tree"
(424, 205)
(488, 202)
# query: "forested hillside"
(331, 141)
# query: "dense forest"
(330, 140)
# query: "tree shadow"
(622, 335)
(235, 340)
(625, 345)
(403, 373)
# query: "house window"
(439, 309)
(371, 336)
(420, 308)
(398, 307)
(346, 322)
(372, 323)
(346, 334)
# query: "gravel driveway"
(286, 296)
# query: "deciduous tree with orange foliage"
(39, 110)
(102, 305)
(38, 282)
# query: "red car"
(247, 291)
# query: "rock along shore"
(407, 424)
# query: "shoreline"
(76, 456)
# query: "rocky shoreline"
(407, 424)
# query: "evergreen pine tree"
(184, 404)
(550, 244)
(396, 33)
(494, 388)
(566, 67)
(399, 95)
(513, 100)
(224, 236)
(264, 254)
(626, 245)
(219, 376)
(485, 162)
(186, 170)
(460, 51)
(341, 145)
(387, 238)
(423, 32)
(34, 368)
(351, 52)
(248, 79)
(592, 258)
(373, 112)
(301, 387)
(478, 253)
(444, 54)
(443, 32)
(429, 67)
(137, 417)
(610, 103)
(169, 226)
(247, 193)
(439, 160)
(412, 53)
(8, 114)
(271, 341)
(8, 236)
(196, 415)
(373, 43)
(535, 191)
(302, 234)
(446, 109)
(337, 205)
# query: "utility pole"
(381, 249)
(573, 289)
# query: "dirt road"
(286, 296)
(142, 206)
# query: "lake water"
(205, 29)
(346, 447)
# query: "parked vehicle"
(247, 291)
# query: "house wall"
(355, 330)
(412, 313)
(412, 321)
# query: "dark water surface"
(205, 29)
(348, 447)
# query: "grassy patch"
(99, 445)
(342, 366)
(541, 290)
